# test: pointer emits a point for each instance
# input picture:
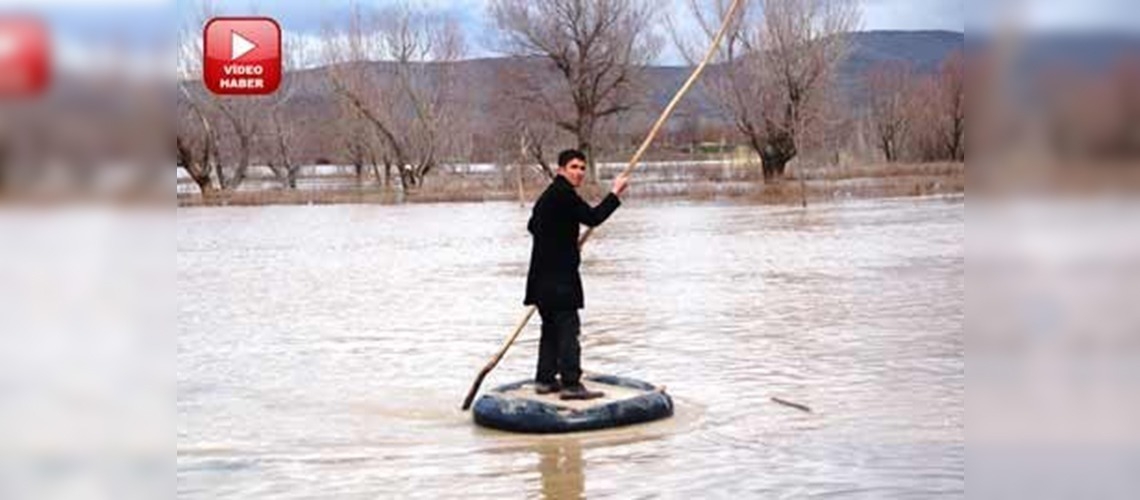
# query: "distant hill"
(924, 50)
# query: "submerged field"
(324, 351)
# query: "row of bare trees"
(397, 106)
(774, 75)
(918, 117)
(408, 103)
(218, 136)
(401, 108)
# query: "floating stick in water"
(797, 406)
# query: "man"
(553, 283)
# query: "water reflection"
(562, 469)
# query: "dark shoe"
(579, 392)
(547, 387)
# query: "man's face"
(574, 171)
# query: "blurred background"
(86, 247)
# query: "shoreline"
(819, 185)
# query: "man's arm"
(594, 216)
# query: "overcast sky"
(125, 21)
(307, 15)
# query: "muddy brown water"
(323, 351)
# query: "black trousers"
(558, 349)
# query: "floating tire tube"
(515, 407)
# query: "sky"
(914, 15)
(306, 17)
(82, 24)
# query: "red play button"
(242, 55)
(25, 65)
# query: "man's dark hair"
(570, 154)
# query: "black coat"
(553, 281)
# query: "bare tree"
(924, 136)
(227, 127)
(779, 64)
(952, 102)
(888, 87)
(282, 158)
(196, 143)
(936, 115)
(228, 123)
(408, 95)
(195, 155)
(358, 139)
(523, 123)
(594, 49)
(242, 118)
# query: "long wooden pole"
(633, 162)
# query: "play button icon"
(239, 46)
(25, 63)
(242, 56)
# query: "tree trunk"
(291, 177)
(204, 185)
(243, 160)
(519, 179)
(406, 183)
(775, 155)
(586, 146)
(773, 166)
(288, 169)
(889, 150)
(957, 152)
(358, 169)
(374, 166)
(376, 175)
(199, 171)
(220, 174)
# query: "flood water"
(324, 351)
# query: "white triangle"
(239, 45)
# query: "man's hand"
(620, 183)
